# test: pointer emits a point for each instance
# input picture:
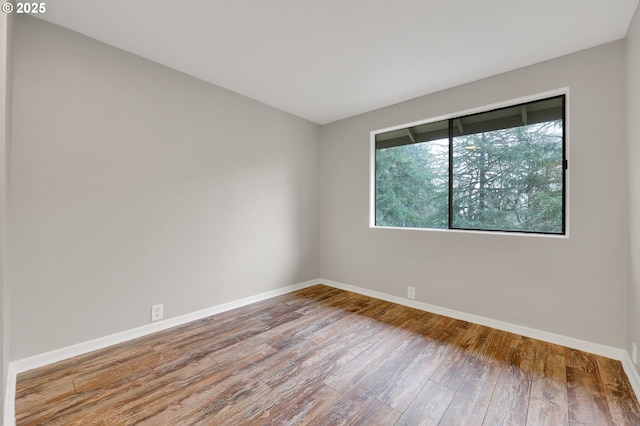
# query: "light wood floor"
(324, 356)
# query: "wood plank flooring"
(324, 356)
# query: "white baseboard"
(632, 373)
(583, 345)
(10, 398)
(595, 348)
(36, 361)
(26, 364)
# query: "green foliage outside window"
(508, 179)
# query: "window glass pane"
(412, 185)
(510, 179)
(500, 170)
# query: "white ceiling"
(325, 60)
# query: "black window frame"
(451, 119)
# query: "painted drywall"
(573, 286)
(5, 136)
(133, 184)
(633, 101)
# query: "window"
(500, 170)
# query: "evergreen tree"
(411, 186)
(507, 179)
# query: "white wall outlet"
(634, 353)
(411, 292)
(157, 312)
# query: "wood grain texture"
(428, 407)
(623, 408)
(548, 403)
(323, 356)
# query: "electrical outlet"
(156, 312)
(411, 292)
(634, 353)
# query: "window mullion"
(450, 174)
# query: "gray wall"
(575, 287)
(5, 137)
(633, 113)
(133, 184)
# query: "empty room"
(280, 212)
